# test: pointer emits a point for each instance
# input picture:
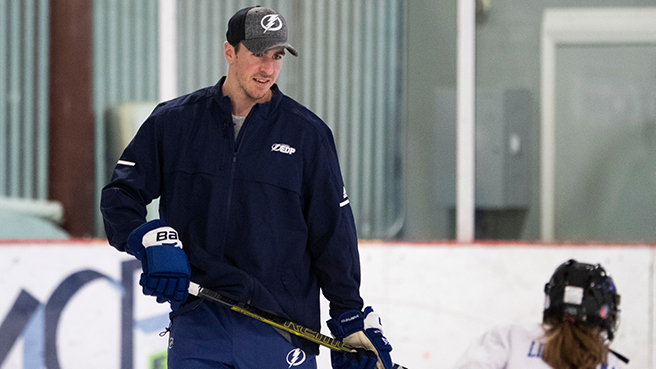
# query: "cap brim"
(259, 47)
(287, 46)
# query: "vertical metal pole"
(203, 36)
(366, 124)
(112, 61)
(125, 22)
(547, 135)
(168, 60)
(355, 120)
(139, 35)
(29, 96)
(319, 57)
(393, 137)
(380, 202)
(4, 106)
(306, 61)
(465, 151)
(153, 51)
(330, 74)
(218, 32)
(344, 78)
(184, 45)
(13, 100)
(43, 46)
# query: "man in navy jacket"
(252, 205)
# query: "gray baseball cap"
(259, 29)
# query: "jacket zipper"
(235, 151)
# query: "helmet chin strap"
(619, 356)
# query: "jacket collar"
(264, 109)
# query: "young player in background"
(253, 206)
(579, 322)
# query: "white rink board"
(88, 331)
(434, 299)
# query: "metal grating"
(24, 36)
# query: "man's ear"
(229, 52)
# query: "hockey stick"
(274, 320)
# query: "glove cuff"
(348, 323)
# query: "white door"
(605, 154)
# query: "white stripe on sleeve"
(125, 162)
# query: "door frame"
(570, 26)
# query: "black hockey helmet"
(584, 292)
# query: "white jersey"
(514, 347)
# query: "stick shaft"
(274, 320)
(271, 319)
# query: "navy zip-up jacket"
(264, 219)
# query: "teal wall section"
(24, 64)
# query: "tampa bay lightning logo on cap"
(295, 357)
(271, 22)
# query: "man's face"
(256, 73)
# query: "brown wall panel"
(71, 167)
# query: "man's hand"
(360, 330)
(166, 270)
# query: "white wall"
(434, 299)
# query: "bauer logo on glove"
(160, 235)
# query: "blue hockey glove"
(360, 330)
(166, 270)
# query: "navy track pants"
(206, 335)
